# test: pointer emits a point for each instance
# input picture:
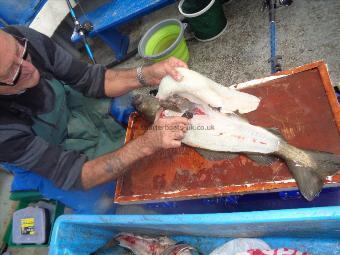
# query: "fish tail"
(308, 181)
(310, 168)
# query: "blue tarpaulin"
(19, 12)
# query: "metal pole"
(275, 66)
(3, 22)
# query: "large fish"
(215, 126)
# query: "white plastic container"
(29, 226)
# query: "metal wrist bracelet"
(140, 77)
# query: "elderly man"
(31, 68)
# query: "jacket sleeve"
(84, 77)
(20, 147)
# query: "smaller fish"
(145, 245)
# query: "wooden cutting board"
(302, 105)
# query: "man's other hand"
(165, 133)
(154, 74)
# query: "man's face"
(15, 66)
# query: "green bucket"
(205, 17)
(164, 40)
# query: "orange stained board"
(302, 105)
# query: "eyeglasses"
(15, 69)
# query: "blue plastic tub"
(315, 230)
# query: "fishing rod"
(82, 30)
(3, 23)
(272, 6)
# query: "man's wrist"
(145, 147)
(140, 76)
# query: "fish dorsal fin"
(276, 132)
(236, 116)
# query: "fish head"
(144, 244)
(146, 105)
(177, 103)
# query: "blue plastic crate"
(315, 230)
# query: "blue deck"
(19, 12)
(119, 12)
(315, 230)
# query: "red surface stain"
(202, 177)
(159, 182)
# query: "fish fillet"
(202, 90)
(218, 130)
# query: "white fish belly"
(223, 133)
(218, 132)
(212, 128)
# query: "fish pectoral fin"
(216, 155)
(262, 159)
(309, 182)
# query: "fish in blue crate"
(225, 133)
(146, 245)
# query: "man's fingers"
(175, 62)
(173, 72)
(177, 120)
(178, 135)
(183, 127)
(175, 144)
(158, 114)
(170, 121)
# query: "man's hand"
(119, 81)
(154, 74)
(165, 133)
